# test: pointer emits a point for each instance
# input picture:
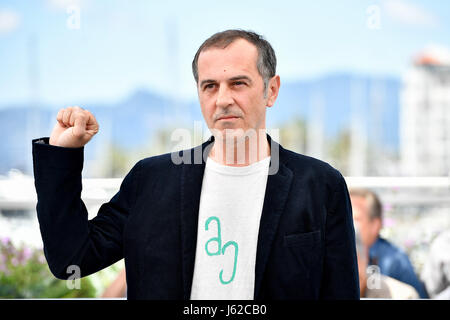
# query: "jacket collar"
(277, 190)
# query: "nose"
(224, 97)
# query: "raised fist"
(74, 128)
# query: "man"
(374, 285)
(265, 223)
(392, 261)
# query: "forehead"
(238, 57)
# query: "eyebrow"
(239, 77)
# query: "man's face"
(230, 88)
(368, 228)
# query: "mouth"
(228, 118)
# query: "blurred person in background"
(372, 284)
(392, 261)
(436, 270)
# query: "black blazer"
(306, 246)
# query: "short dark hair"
(373, 201)
(266, 62)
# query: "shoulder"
(393, 259)
(384, 244)
(157, 167)
(390, 248)
(159, 161)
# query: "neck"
(240, 151)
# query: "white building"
(425, 115)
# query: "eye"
(239, 83)
(209, 86)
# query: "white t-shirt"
(231, 204)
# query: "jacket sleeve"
(68, 236)
(340, 273)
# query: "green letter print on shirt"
(219, 251)
(218, 239)
(235, 261)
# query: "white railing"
(19, 193)
(399, 182)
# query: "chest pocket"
(304, 252)
(307, 240)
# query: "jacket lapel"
(277, 190)
(191, 186)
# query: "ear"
(272, 90)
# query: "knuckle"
(82, 115)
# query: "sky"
(68, 52)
